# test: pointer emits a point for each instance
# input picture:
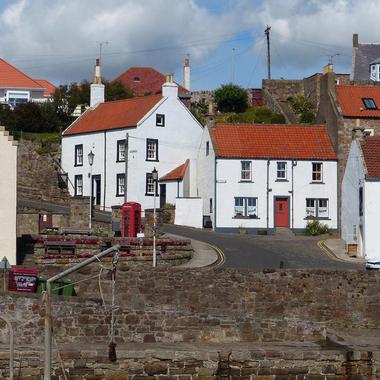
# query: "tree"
(231, 98)
(303, 107)
(117, 90)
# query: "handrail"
(11, 346)
(48, 304)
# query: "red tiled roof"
(350, 100)
(176, 174)
(49, 87)
(371, 154)
(10, 77)
(276, 141)
(113, 115)
(149, 81)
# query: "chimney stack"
(186, 73)
(355, 40)
(210, 118)
(169, 88)
(96, 88)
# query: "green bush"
(315, 227)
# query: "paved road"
(260, 252)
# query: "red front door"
(281, 212)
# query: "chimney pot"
(355, 40)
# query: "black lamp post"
(91, 156)
(155, 179)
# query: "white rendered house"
(8, 196)
(162, 134)
(260, 177)
(18, 88)
(360, 199)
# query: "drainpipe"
(268, 190)
(48, 303)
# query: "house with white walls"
(360, 200)
(260, 177)
(8, 196)
(18, 88)
(161, 134)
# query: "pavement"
(204, 254)
(337, 248)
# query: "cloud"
(59, 39)
(305, 33)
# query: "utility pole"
(126, 149)
(267, 31)
(233, 66)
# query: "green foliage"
(231, 98)
(303, 107)
(199, 111)
(252, 115)
(315, 227)
(117, 91)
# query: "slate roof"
(363, 55)
(176, 174)
(10, 77)
(351, 103)
(145, 80)
(273, 141)
(118, 114)
(371, 154)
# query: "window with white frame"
(78, 185)
(120, 155)
(160, 120)
(79, 155)
(317, 208)
(245, 207)
(150, 185)
(120, 184)
(246, 172)
(281, 170)
(14, 98)
(151, 150)
(317, 172)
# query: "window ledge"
(77, 165)
(281, 180)
(244, 217)
(150, 195)
(317, 218)
(119, 195)
(246, 181)
(120, 160)
(150, 160)
(317, 183)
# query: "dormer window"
(136, 79)
(369, 103)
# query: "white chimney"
(96, 88)
(169, 88)
(186, 73)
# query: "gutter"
(268, 190)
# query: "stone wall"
(37, 174)
(281, 89)
(214, 306)
(197, 363)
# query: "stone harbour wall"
(171, 305)
(196, 363)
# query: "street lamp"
(91, 156)
(155, 179)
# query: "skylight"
(369, 103)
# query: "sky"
(59, 40)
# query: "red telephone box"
(130, 219)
